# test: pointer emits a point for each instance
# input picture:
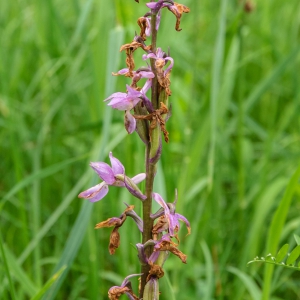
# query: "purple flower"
(166, 244)
(138, 74)
(161, 59)
(157, 6)
(161, 250)
(176, 8)
(124, 101)
(114, 175)
(148, 27)
(147, 18)
(170, 215)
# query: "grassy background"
(234, 146)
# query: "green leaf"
(7, 269)
(293, 256)
(270, 78)
(48, 284)
(19, 274)
(248, 282)
(297, 239)
(282, 252)
(276, 227)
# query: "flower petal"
(184, 219)
(139, 178)
(104, 171)
(173, 224)
(154, 256)
(117, 95)
(141, 254)
(130, 122)
(169, 68)
(116, 165)
(157, 197)
(138, 221)
(122, 72)
(121, 103)
(146, 74)
(147, 102)
(95, 193)
(132, 93)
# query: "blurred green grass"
(234, 145)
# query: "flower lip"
(95, 193)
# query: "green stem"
(148, 222)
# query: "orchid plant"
(148, 118)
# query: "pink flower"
(172, 217)
(115, 176)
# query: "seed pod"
(151, 291)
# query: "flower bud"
(156, 144)
(131, 186)
(142, 127)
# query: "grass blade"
(248, 282)
(215, 89)
(48, 284)
(276, 229)
(7, 270)
(270, 79)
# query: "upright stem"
(148, 222)
(154, 90)
(150, 168)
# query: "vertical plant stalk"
(150, 168)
